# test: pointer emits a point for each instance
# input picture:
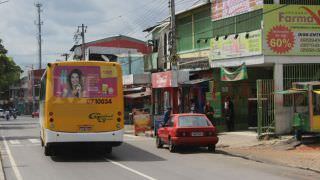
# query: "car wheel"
(159, 142)
(212, 148)
(172, 147)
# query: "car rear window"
(192, 121)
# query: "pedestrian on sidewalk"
(167, 115)
(209, 112)
(229, 113)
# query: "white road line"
(14, 142)
(13, 163)
(34, 141)
(131, 170)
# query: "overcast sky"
(61, 18)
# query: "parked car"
(1, 113)
(187, 130)
(35, 114)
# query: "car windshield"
(192, 121)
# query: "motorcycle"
(14, 113)
(7, 115)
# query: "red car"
(35, 114)
(187, 130)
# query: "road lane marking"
(130, 169)
(12, 162)
(14, 142)
(34, 141)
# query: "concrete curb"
(263, 160)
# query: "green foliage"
(9, 71)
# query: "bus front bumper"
(62, 137)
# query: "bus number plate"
(99, 101)
(85, 128)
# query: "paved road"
(137, 158)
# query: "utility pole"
(39, 24)
(173, 54)
(83, 30)
(33, 90)
(129, 61)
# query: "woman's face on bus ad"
(75, 79)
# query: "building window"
(268, 2)
(301, 2)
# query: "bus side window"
(43, 88)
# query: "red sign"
(162, 79)
(280, 39)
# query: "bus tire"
(47, 151)
(108, 149)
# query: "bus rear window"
(85, 81)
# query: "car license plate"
(197, 134)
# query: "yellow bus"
(81, 102)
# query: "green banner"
(237, 75)
(291, 30)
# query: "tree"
(9, 71)
(2, 49)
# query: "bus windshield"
(85, 81)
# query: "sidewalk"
(284, 151)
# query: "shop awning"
(195, 81)
(290, 91)
(138, 95)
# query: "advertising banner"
(291, 30)
(142, 123)
(227, 8)
(85, 81)
(237, 75)
(245, 45)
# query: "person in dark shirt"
(209, 112)
(167, 115)
(229, 113)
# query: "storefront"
(137, 94)
(165, 90)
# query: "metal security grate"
(298, 73)
(265, 98)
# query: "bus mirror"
(49, 65)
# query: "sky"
(61, 18)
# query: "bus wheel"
(42, 143)
(47, 151)
(108, 149)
